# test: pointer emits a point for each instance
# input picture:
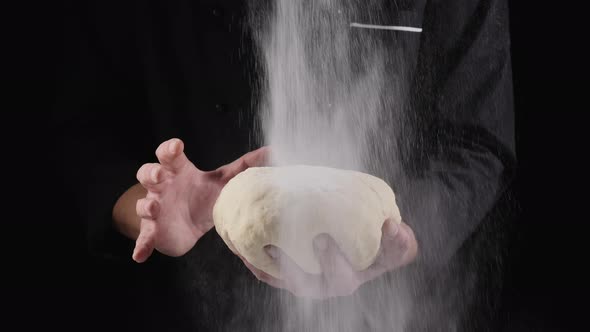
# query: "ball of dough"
(289, 206)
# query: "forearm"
(125, 217)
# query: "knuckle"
(148, 208)
(156, 172)
(141, 171)
(139, 206)
(154, 208)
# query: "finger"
(398, 246)
(150, 175)
(171, 154)
(299, 282)
(287, 266)
(254, 158)
(147, 208)
(295, 279)
(372, 272)
(263, 276)
(340, 279)
(410, 244)
(390, 253)
(334, 264)
(144, 245)
(389, 229)
(272, 281)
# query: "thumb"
(398, 245)
(254, 158)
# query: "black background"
(50, 280)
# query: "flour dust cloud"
(333, 95)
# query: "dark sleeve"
(99, 168)
(462, 156)
(103, 131)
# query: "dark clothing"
(139, 73)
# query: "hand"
(178, 207)
(398, 248)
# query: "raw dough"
(289, 206)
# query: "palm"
(184, 202)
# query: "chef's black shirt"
(137, 73)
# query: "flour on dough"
(289, 206)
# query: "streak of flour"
(327, 99)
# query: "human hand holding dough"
(268, 213)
